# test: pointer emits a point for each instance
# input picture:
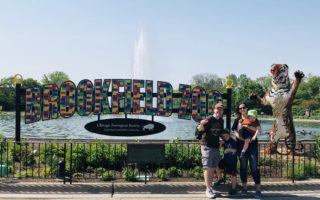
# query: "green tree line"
(306, 103)
(7, 87)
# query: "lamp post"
(229, 86)
(18, 80)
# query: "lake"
(73, 128)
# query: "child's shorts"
(228, 168)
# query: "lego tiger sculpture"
(280, 96)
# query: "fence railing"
(107, 160)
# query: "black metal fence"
(107, 160)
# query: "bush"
(107, 176)
(173, 172)
(162, 174)
(316, 151)
(100, 170)
(304, 171)
(196, 172)
(108, 156)
(183, 156)
(129, 174)
(23, 152)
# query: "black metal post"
(70, 164)
(18, 113)
(145, 174)
(64, 159)
(229, 99)
(292, 151)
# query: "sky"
(96, 39)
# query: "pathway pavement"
(284, 190)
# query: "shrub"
(129, 174)
(107, 176)
(173, 172)
(183, 156)
(100, 170)
(23, 152)
(108, 156)
(162, 174)
(304, 171)
(316, 151)
(196, 172)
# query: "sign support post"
(18, 80)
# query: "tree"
(29, 82)
(265, 82)
(7, 93)
(309, 106)
(56, 77)
(208, 82)
(308, 96)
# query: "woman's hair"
(237, 110)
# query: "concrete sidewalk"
(153, 190)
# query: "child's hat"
(253, 113)
(225, 131)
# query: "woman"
(251, 154)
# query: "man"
(209, 131)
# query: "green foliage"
(77, 175)
(196, 172)
(316, 150)
(129, 174)
(173, 172)
(7, 94)
(304, 170)
(163, 174)
(100, 170)
(51, 153)
(7, 91)
(181, 155)
(29, 82)
(208, 82)
(80, 155)
(23, 153)
(109, 156)
(108, 175)
(56, 77)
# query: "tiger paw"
(270, 150)
(299, 74)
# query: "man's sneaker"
(233, 191)
(244, 192)
(219, 181)
(258, 195)
(210, 194)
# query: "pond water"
(73, 128)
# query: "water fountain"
(141, 68)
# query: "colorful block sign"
(113, 96)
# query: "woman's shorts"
(210, 156)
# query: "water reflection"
(73, 128)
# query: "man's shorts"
(228, 168)
(210, 156)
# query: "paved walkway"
(152, 191)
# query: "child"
(248, 129)
(229, 161)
